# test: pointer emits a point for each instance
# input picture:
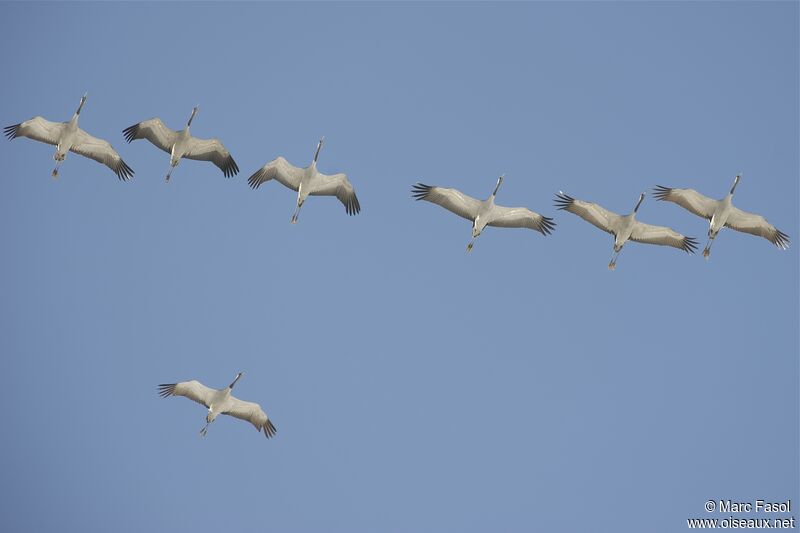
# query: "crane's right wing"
(194, 390)
(757, 225)
(689, 199)
(102, 152)
(662, 236)
(521, 217)
(253, 413)
(453, 200)
(339, 186)
(37, 129)
(154, 131)
(279, 169)
(588, 211)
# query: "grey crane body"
(483, 213)
(181, 144)
(307, 182)
(487, 212)
(624, 227)
(220, 402)
(722, 213)
(68, 137)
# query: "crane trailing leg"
(170, 169)
(297, 212)
(209, 419)
(59, 157)
(707, 249)
(613, 263)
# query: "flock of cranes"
(68, 137)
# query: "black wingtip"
(661, 192)
(420, 191)
(166, 389)
(269, 429)
(12, 132)
(123, 171)
(131, 132)
(780, 239)
(547, 225)
(352, 206)
(229, 167)
(255, 180)
(563, 201)
(689, 245)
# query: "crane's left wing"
(663, 236)
(757, 225)
(253, 413)
(279, 169)
(689, 199)
(194, 390)
(37, 129)
(592, 213)
(453, 200)
(521, 217)
(213, 150)
(154, 131)
(102, 152)
(339, 186)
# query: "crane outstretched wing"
(662, 235)
(213, 150)
(102, 152)
(37, 129)
(194, 390)
(588, 211)
(757, 225)
(689, 199)
(280, 170)
(521, 217)
(154, 131)
(339, 186)
(453, 200)
(253, 413)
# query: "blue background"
(415, 388)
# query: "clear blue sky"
(414, 387)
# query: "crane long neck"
(191, 117)
(234, 381)
(319, 147)
(80, 106)
(497, 187)
(641, 199)
(735, 183)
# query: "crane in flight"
(181, 144)
(483, 213)
(307, 181)
(68, 137)
(721, 214)
(624, 228)
(220, 402)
